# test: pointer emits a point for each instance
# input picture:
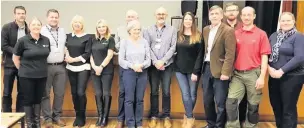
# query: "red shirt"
(251, 45)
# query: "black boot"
(19, 102)
(6, 104)
(29, 112)
(99, 104)
(107, 100)
(82, 110)
(37, 110)
(76, 108)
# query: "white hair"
(132, 12)
(132, 24)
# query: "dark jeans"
(160, 78)
(214, 89)
(10, 74)
(284, 94)
(33, 89)
(102, 84)
(121, 98)
(189, 91)
(78, 81)
(135, 85)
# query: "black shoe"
(29, 112)
(37, 110)
(107, 101)
(76, 108)
(99, 104)
(82, 110)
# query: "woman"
(134, 58)
(187, 69)
(286, 69)
(30, 58)
(78, 51)
(103, 46)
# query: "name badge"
(157, 46)
(45, 45)
(158, 40)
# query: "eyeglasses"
(160, 14)
(234, 10)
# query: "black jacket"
(9, 34)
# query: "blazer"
(222, 54)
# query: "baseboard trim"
(198, 116)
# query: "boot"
(184, 121)
(76, 108)
(6, 104)
(37, 110)
(190, 123)
(99, 104)
(107, 101)
(82, 110)
(29, 112)
(19, 102)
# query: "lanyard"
(55, 38)
(159, 33)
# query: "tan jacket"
(223, 50)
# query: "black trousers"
(33, 89)
(284, 94)
(102, 84)
(216, 90)
(78, 81)
(11, 74)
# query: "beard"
(231, 18)
(161, 21)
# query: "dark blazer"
(9, 35)
(222, 53)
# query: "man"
(250, 66)
(56, 70)
(162, 39)
(10, 33)
(217, 67)
(121, 34)
(231, 14)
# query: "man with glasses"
(162, 40)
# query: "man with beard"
(10, 33)
(231, 14)
(162, 40)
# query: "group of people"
(232, 57)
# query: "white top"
(212, 33)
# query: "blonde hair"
(287, 13)
(107, 34)
(195, 36)
(79, 19)
(35, 19)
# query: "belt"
(244, 71)
(60, 63)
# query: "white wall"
(112, 11)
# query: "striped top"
(162, 43)
(134, 53)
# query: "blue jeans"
(121, 98)
(189, 91)
(135, 84)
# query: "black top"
(187, 59)
(291, 54)
(100, 49)
(33, 56)
(79, 46)
(9, 35)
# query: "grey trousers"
(57, 77)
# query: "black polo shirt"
(33, 56)
(100, 49)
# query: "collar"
(162, 27)
(51, 28)
(16, 25)
(31, 38)
(215, 27)
(251, 30)
(83, 34)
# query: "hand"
(271, 71)
(259, 83)
(137, 67)
(224, 77)
(278, 73)
(162, 68)
(98, 70)
(159, 64)
(69, 59)
(193, 77)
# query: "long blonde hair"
(195, 36)
(108, 33)
(79, 19)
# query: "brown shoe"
(167, 123)
(120, 124)
(190, 123)
(153, 122)
(48, 124)
(60, 123)
(184, 121)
